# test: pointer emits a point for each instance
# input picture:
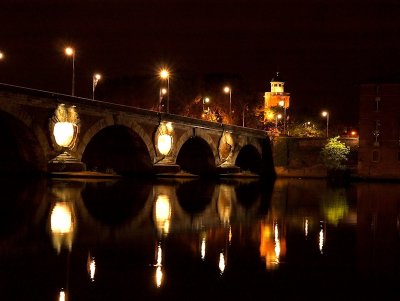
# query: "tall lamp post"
(283, 104)
(96, 78)
(326, 115)
(206, 100)
(278, 116)
(229, 90)
(245, 108)
(71, 52)
(164, 74)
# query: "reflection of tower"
(277, 101)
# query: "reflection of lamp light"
(91, 266)
(63, 133)
(306, 227)
(221, 263)
(163, 213)
(62, 225)
(203, 247)
(159, 273)
(61, 218)
(321, 238)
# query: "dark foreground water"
(292, 239)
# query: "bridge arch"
(23, 145)
(103, 123)
(248, 158)
(117, 148)
(196, 155)
(190, 133)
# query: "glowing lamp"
(64, 133)
(164, 144)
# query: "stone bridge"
(47, 132)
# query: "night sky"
(323, 49)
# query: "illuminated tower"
(277, 97)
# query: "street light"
(278, 116)
(71, 52)
(163, 91)
(229, 90)
(164, 74)
(282, 104)
(205, 101)
(96, 78)
(1, 55)
(326, 114)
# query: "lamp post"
(245, 108)
(163, 91)
(96, 78)
(326, 115)
(229, 90)
(71, 52)
(205, 101)
(283, 104)
(164, 74)
(278, 116)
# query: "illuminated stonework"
(165, 138)
(64, 126)
(226, 148)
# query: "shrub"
(334, 154)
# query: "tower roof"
(277, 78)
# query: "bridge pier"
(64, 162)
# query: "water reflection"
(192, 239)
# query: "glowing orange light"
(69, 51)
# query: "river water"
(191, 239)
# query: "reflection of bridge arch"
(23, 145)
(124, 228)
(118, 148)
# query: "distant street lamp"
(164, 74)
(96, 78)
(278, 116)
(283, 104)
(229, 90)
(206, 100)
(326, 114)
(71, 52)
(1, 55)
(163, 91)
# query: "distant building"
(379, 130)
(277, 97)
(276, 102)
